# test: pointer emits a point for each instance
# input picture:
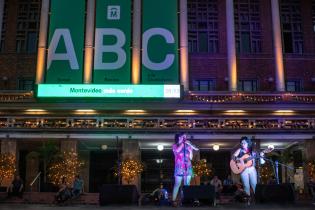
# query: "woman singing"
(183, 153)
(249, 175)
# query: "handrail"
(35, 179)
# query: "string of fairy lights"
(7, 97)
(66, 164)
(201, 168)
(7, 166)
(243, 123)
(129, 169)
(311, 169)
(266, 172)
(243, 98)
(236, 97)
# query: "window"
(203, 32)
(26, 84)
(293, 85)
(27, 26)
(204, 85)
(247, 85)
(4, 24)
(248, 36)
(291, 21)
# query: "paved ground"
(305, 206)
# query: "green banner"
(160, 42)
(66, 42)
(112, 42)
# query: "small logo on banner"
(113, 12)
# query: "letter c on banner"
(169, 38)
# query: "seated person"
(64, 192)
(311, 185)
(159, 196)
(216, 182)
(228, 186)
(77, 186)
(228, 181)
(240, 195)
(272, 180)
(16, 187)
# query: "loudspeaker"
(275, 193)
(202, 193)
(116, 194)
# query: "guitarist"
(249, 175)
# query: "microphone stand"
(275, 166)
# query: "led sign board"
(107, 91)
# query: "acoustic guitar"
(239, 165)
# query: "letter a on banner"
(160, 42)
(112, 42)
(66, 42)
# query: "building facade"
(246, 67)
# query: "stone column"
(131, 150)
(9, 146)
(309, 154)
(1, 17)
(89, 41)
(32, 170)
(183, 44)
(68, 145)
(257, 148)
(309, 149)
(231, 50)
(277, 39)
(85, 172)
(136, 42)
(41, 54)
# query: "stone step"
(225, 199)
(49, 198)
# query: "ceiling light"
(234, 111)
(185, 111)
(160, 147)
(216, 147)
(85, 110)
(35, 110)
(284, 111)
(104, 147)
(159, 160)
(271, 147)
(135, 111)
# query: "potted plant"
(129, 169)
(7, 168)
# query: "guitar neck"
(256, 156)
(249, 158)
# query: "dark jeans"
(63, 196)
(15, 192)
(312, 191)
(76, 192)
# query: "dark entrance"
(102, 165)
